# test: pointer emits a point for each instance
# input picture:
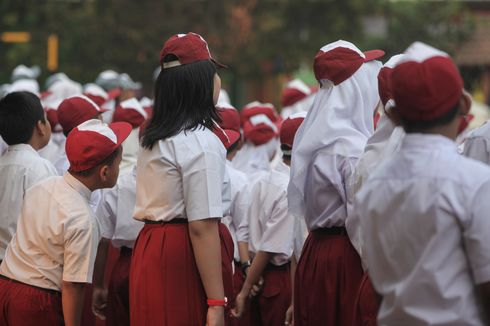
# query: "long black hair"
(183, 101)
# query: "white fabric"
(134, 104)
(95, 125)
(63, 89)
(425, 221)
(299, 85)
(20, 168)
(28, 85)
(51, 151)
(419, 52)
(181, 177)
(3, 146)
(146, 102)
(303, 105)
(131, 148)
(95, 90)
(236, 219)
(477, 144)
(57, 236)
(300, 235)
(271, 227)
(115, 212)
(22, 71)
(223, 98)
(253, 160)
(328, 144)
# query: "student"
(327, 147)
(176, 269)
(477, 144)
(425, 209)
(295, 98)
(25, 128)
(51, 256)
(271, 241)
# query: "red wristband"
(218, 303)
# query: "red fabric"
(250, 111)
(76, 110)
(118, 297)
(384, 84)
(327, 280)
(165, 287)
(288, 130)
(128, 115)
(426, 90)
(230, 118)
(238, 280)
(291, 96)
(367, 304)
(227, 136)
(112, 258)
(271, 304)
(258, 134)
(88, 317)
(337, 64)
(25, 305)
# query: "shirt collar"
(428, 142)
(22, 147)
(77, 185)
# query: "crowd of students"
(353, 205)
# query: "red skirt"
(165, 286)
(118, 296)
(238, 281)
(26, 305)
(270, 305)
(327, 279)
(367, 304)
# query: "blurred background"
(265, 43)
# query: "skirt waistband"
(336, 230)
(50, 291)
(174, 221)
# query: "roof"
(476, 50)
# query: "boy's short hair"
(19, 114)
(109, 160)
(417, 126)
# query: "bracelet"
(245, 266)
(218, 303)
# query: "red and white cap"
(295, 91)
(230, 118)
(339, 60)
(288, 129)
(130, 111)
(188, 48)
(259, 129)
(255, 108)
(52, 116)
(93, 141)
(384, 81)
(75, 110)
(98, 94)
(227, 136)
(426, 83)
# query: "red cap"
(130, 111)
(188, 48)
(227, 136)
(465, 122)
(52, 117)
(259, 129)
(230, 118)
(384, 79)
(289, 128)
(295, 91)
(339, 60)
(426, 83)
(75, 110)
(93, 141)
(255, 108)
(98, 94)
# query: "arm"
(207, 253)
(243, 251)
(484, 292)
(72, 302)
(99, 294)
(289, 320)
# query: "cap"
(96, 94)
(426, 83)
(339, 60)
(254, 108)
(384, 80)
(188, 48)
(227, 136)
(108, 79)
(75, 110)
(295, 91)
(147, 105)
(130, 111)
(93, 141)
(230, 118)
(259, 129)
(52, 117)
(289, 128)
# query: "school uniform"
(271, 229)
(326, 150)
(477, 144)
(56, 240)
(179, 181)
(20, 168)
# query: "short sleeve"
(477, 149)
(240, 213)
(39, 173)
(203, 178)
(106, 213)
(476, 233)
(80, 244)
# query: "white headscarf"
(339, 122)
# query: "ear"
(104, 172)
(465, 103)
(41, 127)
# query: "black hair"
(109, 160)
(183, 101)
(19, 114)
(233, 147)
(412, 126)
(287, 148)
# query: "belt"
(336, 230)
(174, 221)
(271, 266)
(50, 291)
(126, 251)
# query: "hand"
(216, 316)
(240, 301)
(99, 302)
(289, 316)
(257, 288)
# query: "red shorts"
(26, 305)
(327, 279)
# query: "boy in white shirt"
(51, 256)
(425, 209)
(24, 127)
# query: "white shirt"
(426, 226)
(115, 212)
(55, 148)
(57, 236)
(181, 177)
(131, 148)
(3, 146)
(271, 227)
(477, 144)
(20, 168)
(236, 219)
